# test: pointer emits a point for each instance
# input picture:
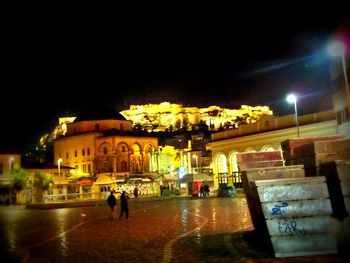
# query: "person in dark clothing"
(112, 202)
(136, 192)
(124, 205)
(206, 190)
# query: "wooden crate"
(299, 225)
(338, 183)
(265, 173)
(300, 208)
(292, 189)
(247, 157)
(314, 244)
(316, 160)
(321, 147)
(292, 143)
(260, 164)
(254, 205)
(297, 213)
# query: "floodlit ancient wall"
(167, 116)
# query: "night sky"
(55, 67)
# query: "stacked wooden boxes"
(248, 160)
(314, 154)
(337, 175)
(311, 152)
(289, 145)
(264, 173)
(297, 213)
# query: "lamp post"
(335, 49)
(11, 159)
(59, 173)
(291, 98)
(195, 156)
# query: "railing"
(223, 179)
(75, 197)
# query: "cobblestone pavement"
(172, 230)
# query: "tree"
(19, 178)
(41, 183)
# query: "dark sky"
(59, 66)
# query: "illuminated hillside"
(170, 117)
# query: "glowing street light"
(195, 156)
(336, 49)
(291, 98)
(11, 159)
(59, 173)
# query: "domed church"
(100, 142)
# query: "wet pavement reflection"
(172, 230)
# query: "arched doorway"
(221, 165)
(136, 160)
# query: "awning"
(104, 179)
(59, 181)
(200, 177)
(85, 182)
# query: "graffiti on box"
(287, 225)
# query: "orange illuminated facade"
(105, 144)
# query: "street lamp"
(59, 173)
(195, 156)
(335, 49)
(11, 159)
(291, 98)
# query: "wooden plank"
(321, 158)
(335, 189)
(345, 187)
(347, 204)
(261, 164)
(300, 208)
(322, 147)
(299, 226)
(292, 189)
(304, 245)
(343, 169)
(296, 142)
(247, 157)
(269, 173)
(279, 172)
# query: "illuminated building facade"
(7, 161)
(265, 135)
(105, 144)
(169, 117)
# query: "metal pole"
(296, 117)
(59, 174)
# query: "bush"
(226, 191)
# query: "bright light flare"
(291, 98)
(336, 48)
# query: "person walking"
(124, 205)
(136, 192)
(112, 202)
